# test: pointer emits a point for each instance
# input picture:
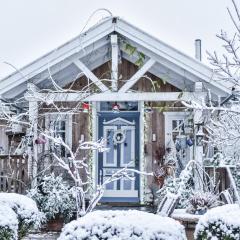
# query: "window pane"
(110, 186)
(127, 184)
(60, 131)
(127, 158)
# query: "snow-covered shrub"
(219, 223)
(26, 209)
(123, 225)
(201, 201)
(54, 197)
(8, 223)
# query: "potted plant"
(54, 198)
(201, 201)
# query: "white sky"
(31, 28)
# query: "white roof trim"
(59, 54)
(157, 47)
(154, 48)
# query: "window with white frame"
(178, 131)
(60, 125)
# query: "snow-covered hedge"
(26, 209)
(8, 223)
(220, 223)
(123, 225)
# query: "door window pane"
(127, 158)
(110, 145)
(110, 186)
(127, 184)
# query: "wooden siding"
(80, 127)
(126, 71)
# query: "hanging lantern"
(115, 108)
(199, 137)
(85, 107)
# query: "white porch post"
(114, 43)
(142, 166)
(198, 126)
(94, 160)
(32, 149)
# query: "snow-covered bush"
(220, 223)
(26, 209)
(54, 197)
(123, 225)
(8, 223)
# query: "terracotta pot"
(55, 225)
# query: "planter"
(55, 225)
(188, 220)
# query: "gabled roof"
(92, 47)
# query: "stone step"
(42, 236)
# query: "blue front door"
(121, 132)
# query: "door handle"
(136, 162)
(101, 176)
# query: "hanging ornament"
(85, 107)
(189, 142)
(40, 140)
(148, 108)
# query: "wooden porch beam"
(137, 76)
(116, 96)
(89, 74)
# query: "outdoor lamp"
(115, 108)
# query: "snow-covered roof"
(92, 48)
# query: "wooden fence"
(219, 175)
(13, 174)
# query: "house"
(117, 82)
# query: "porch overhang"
(73, 57)
(116, 96)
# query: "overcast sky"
(31, 28)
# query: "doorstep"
(42, 236)
(124, 207)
